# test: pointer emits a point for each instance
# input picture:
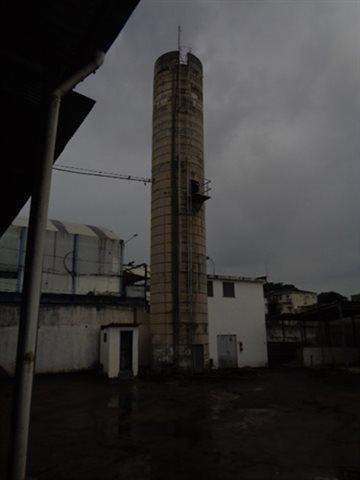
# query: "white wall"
(243, 316)
(62, 283)
(68, 335)
(313, 356)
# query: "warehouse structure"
(179, 190)
(321, 335)
(88, 295)
(78, 259)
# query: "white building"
(119, 350)
(236, 316)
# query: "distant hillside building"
(289, 301)
(327, 335)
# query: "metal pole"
(74, 269)
(28, 325)
(21, 258)
(121, 268)
(146, 281)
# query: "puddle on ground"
(254, 417)
(126, 402)
(326, 478)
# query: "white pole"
(28, 325)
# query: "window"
(228, 289)
(105, 337)
(210, 288)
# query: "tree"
(330, 297)
(278, 287)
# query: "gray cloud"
(282, 135)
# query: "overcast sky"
(282, 135)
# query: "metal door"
(126, 350)
(198, 358)
(227, 351)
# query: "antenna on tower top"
(182, 49)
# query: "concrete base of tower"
(188, 358)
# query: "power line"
(100, 173)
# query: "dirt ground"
(255, 424)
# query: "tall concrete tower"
(178, 249)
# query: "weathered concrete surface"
(69, 334)
(264, 424)
(178, 246)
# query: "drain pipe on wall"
(28, 324)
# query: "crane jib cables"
(117, 176)
(100, 173)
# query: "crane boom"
(100, 173)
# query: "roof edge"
(236, 278)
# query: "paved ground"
(260, 424)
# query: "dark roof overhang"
(42, 44)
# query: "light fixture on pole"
(131, 238)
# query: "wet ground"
(257, 424)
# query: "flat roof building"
(237, 331)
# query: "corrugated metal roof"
(72, 228)
(24, 222)
(233, 278)
(316, 312)
(102, 231)
(75, 228)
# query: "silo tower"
(179, 190)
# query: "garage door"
(227, 351)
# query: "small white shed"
(119, 350)
(236, 316)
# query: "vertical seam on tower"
(175, 215)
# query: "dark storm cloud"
(281, 126)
